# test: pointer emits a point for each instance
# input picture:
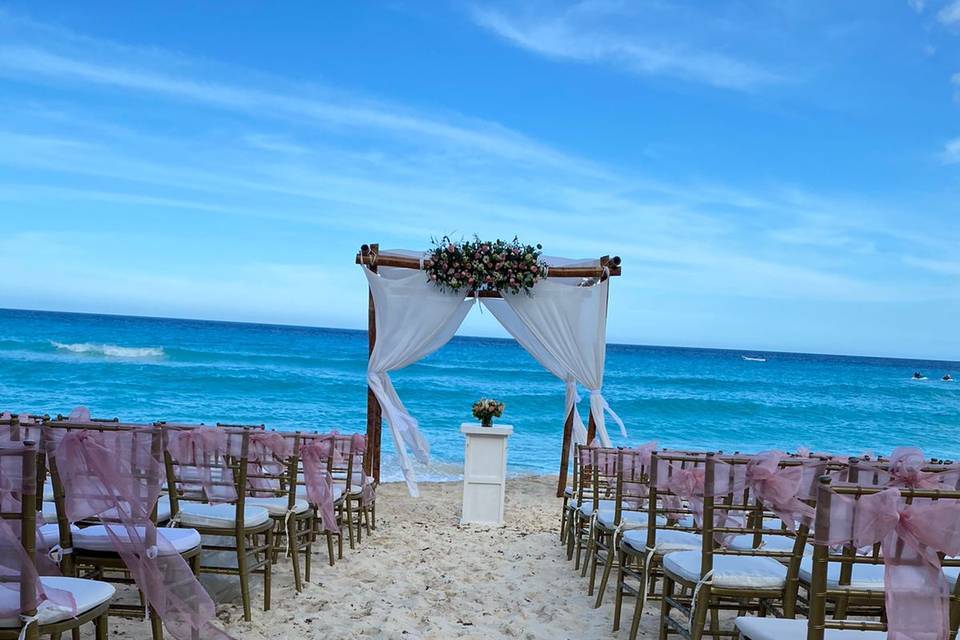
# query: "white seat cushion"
(753, 628)
(864, 576)
(96, 538)
(606, 517)
(48, 490)
(88, 594)
(278, 506)
(220, 516)
(729, 572)
(587, 508)
(337, 492)
(50, 533)
(163, 511)
(49, 512)
(568, 492)
(769, 542)
(668, 540)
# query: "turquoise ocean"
(145, 369)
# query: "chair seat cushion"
(337, 492)
(864, 576)
(50, 533)
(587, 508)
(768, 542)
(753, 628)
(96, 538)
(278, 506)
(220, 516)
(668, 540)
(87, 594)
(729, 572)
(163, 511)
(607, 517)
(568, 492)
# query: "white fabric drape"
(414, 318)
(515, 326)
(570, 323)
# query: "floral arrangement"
(485, 410)
(480, 265)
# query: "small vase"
(486, 422)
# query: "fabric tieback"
(27, 621)
(778, 488)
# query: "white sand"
(421, 575)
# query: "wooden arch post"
(371, 462)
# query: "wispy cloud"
(951, 151)
(950, 14)
(567, 35)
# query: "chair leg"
(156, 625)
(373, 515)
(607, 567)
(349, 521)
(292, 544)
(591, 549)
(330, 548)
(699, 613)
(668, 586)
(618, 597)
(267, 572)
(308, 561)
(100, 625)
(243, 570)
(75, 633)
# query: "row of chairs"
(741, 545)
(231, 500)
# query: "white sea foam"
(110, 350)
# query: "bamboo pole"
(371, 461)
(591, 429)
(370, 257)
(565, 452)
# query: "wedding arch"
(561, 321)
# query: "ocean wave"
(110, 350)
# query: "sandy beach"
(423, 576)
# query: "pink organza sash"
(778, 487)
(911, 537)
(16, 567)
(266, 456)
(358, 447)
(315, 455)
(198, 452)
(116, 474)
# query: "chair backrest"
(674, 487)
(632, 482)
(18, 511)
(839, 507)
(206, 464)
(604, 464)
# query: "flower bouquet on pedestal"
(485, 410)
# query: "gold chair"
(247, 529)
(91, 597)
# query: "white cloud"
(951, 151)
(917, 5)
(950, 14)
(565, 36)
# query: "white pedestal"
(484, 473)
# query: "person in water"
(947, 377)
(917, 375)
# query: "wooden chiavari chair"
(590, 497)
(359, 513)
(86, 548)
(826, 587)
(228, 527)
(668, 528)
(271, 484)
(298, 439)
(722, 578)
(630, 495)
(18, 463)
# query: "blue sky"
(775, 175)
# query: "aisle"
(422, 576)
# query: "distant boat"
(754, 358)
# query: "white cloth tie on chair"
(706, 579)
(27, 621)
(152, 552)
(57, 552)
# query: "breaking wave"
(110, 350)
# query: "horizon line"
(743, 351)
